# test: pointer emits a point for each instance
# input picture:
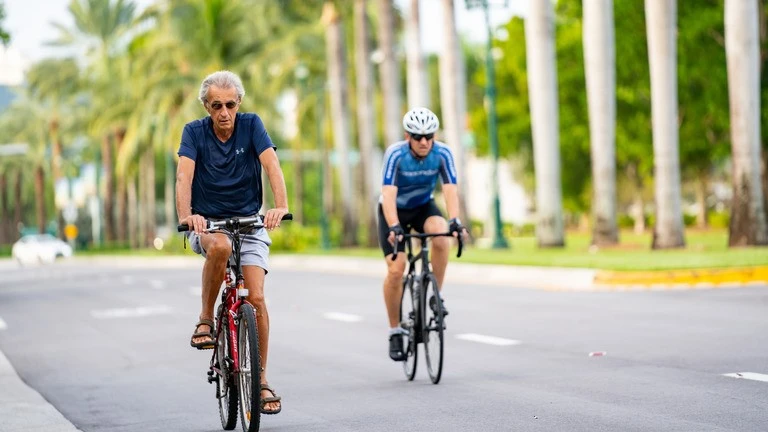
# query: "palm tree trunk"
(453, 98)
(418, 86)
(5, 217)
(121, 217)
(748, 217)
(56, 175)
(542, 79)
(366, 123)
(338, 87)
(390, 74)
(40, 198)
(18, 205)
(109, 188)
(661, 18)
(600, 69)
(150, 209)
(132, 213)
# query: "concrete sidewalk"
(545, 278)
(23, 409)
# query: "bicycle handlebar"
(428, 235)
(255, 221)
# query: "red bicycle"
(235, 366)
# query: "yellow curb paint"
(697, 277)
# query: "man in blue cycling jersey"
(411, 170)
(218, 177)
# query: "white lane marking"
(748, 375)
(490, 340)
(157, 284)
(3, 325)
(131, 312)
(343, 317)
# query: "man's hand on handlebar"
(273, 217)
(395, 231)
(196, 223)
(456, 228)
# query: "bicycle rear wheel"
(226, 389)
(249, 375)
(433, 327)
(408, 321)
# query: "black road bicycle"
(235, 366)
(421, 308)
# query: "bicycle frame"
(234, 294)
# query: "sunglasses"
(418, 137)
(218, 105)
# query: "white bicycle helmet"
(420, 121)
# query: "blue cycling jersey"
(416, 178)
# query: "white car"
(40, 248)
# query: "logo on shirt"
(239, 151)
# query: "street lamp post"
(499, 242)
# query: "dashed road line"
(3, 325)
(748, 375)
(490, 340)
(343, 317)
(141, 311)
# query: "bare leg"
(440, 247)
(217, 250)
(393, 288)
(254, 281)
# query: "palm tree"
(340, 114)
(390, 74)
(25, 122)
(418, 86)
(99, 29)
(54, 82)
(661, 18)
(366, 127)
(542, 87)
(748, 217)
(453, 97)
(600, 70)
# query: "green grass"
(704, 249)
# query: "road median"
(685, 278)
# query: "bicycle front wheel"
(226, 389)
(433, 326)
(408, 321)
(249, 374)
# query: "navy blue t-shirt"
(227, 180)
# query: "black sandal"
(206, 344)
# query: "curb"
(681, 279)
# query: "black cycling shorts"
(410, 219)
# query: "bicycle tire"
(408, 320)
(249, 375)
(226, 389)
(432, 327)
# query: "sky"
(29, 23)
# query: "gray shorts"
(254, 250)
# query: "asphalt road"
(108, 346)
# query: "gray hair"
(223, 79)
